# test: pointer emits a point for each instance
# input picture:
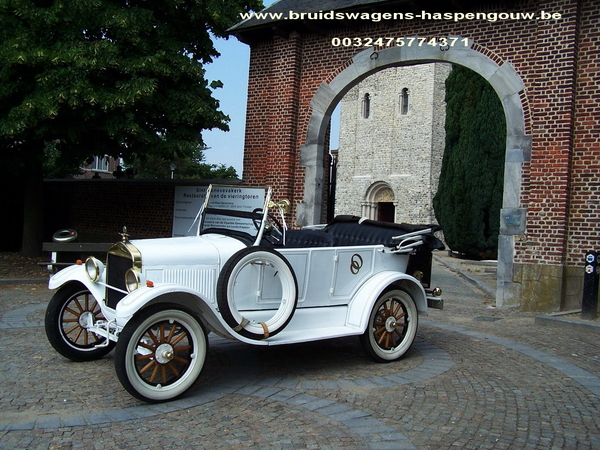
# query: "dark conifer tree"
(467, 204)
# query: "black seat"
(308, 238)
(353, 230)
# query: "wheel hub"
(390, 324)
(164, 353)
(86, 319)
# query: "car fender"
(170, 293)
(362, 302)
(76, 273)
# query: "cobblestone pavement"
(477, 377)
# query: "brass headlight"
(132, 280)
(93, 268)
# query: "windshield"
(235, 211)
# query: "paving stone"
(48, 422)
(98, 418)
(333, 409)
(347, 415)
(284, 395)
(78, 421)
(266, 392)
(476, 378)
(331, 385)
(317, 403)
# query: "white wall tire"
(71, 311)
(228, 281)
(392, 326)
(160, 353)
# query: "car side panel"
(332, 275)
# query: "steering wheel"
(273, 229)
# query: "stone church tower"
(392, 143)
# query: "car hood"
(189, 250)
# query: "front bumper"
(434, 298)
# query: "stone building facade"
(391, 144)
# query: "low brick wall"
(100, 208)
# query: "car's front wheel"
(70, 313)
(160, 353)
(392, 326)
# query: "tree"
(95, 77)
(192, 167)
(469, 197)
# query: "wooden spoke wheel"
(160, 353)
(70, 313)
(392, 326)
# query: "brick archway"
(502, 77)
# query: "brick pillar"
(271, 149)
(552, 92)
(260, 92)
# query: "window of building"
(404, 102)
(366, 106)
(100, 164)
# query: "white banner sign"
(189, 199)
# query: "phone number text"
(399, 42)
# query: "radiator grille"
(116, 267)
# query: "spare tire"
(262, 265)
(66, 235)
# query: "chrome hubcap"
(164, 353)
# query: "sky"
(232, 69)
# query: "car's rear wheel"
(273, 272)
(70, 313)
(160, 353)
(392, 326)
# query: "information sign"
(189, 199)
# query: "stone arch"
(378, 192)
(505, 81)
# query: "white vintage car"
(241, 275)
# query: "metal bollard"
(589, 302)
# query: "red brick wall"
(558, 63)
(584, 206)
(551, 88)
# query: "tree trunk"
(33, 210)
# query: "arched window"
(404, 102)
(366, 106)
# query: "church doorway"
(380, 203)
(386, 212)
